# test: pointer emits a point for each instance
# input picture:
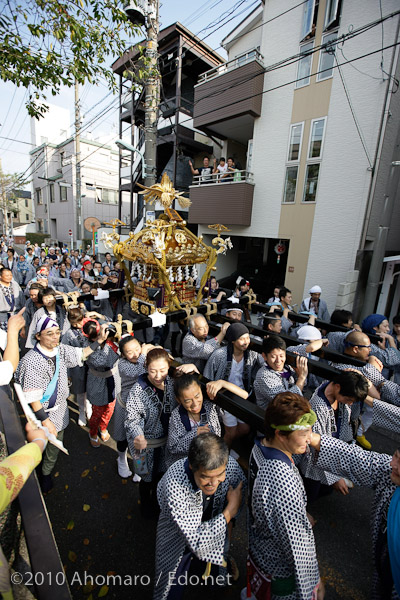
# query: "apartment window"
(316, 138)
(26, 217)
(296, 135)
(63, 194)
(290, 184)
(106, 196)
(293, 158)
(26, 203)
(62, 159)
(314, 157)
(51, 191)
(332, 14)
(40, 225)
(309, 19)
(311, 183)
(39, 198)
(327, 56)
(304, 65)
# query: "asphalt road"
(111, 539)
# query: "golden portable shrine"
(165, 256)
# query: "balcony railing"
(231, 65)
(222, 200)
(228, 98)
(236, 176)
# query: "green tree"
(45, 44)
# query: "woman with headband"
(282, 557)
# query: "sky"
(197, 16)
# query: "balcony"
(228, 98)
(229, 203)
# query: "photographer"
(100, 382)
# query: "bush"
(36, 238)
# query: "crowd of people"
(184, 448)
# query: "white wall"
(345, 176)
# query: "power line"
(360, 134)
(291, 82)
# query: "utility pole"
(78, 192)
(152, 93)
(146, 13)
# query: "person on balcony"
(205, 172)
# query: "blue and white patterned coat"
(35, 372)
(180, 437)
(369, 469)
(326, 424)
(180, 526)
(269, 383)
(128, 373)
(142, 417)
(197, 352)
(281, 540)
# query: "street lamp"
(125, 146)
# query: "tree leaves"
(50, 43)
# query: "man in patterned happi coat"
(198, 497)
(332, 402)
(239, 365)
(42, 374)
(196, 346)
(380, 472)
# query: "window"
(293, 156)
(40, 225)
(311, 183)
(314, 157)
(332, 14)
(316, 138)
(327, 56)
(26, 217)
(26, 203)
(304, 65)
(39, 198)
(309, 19)
(106, 196)
(51, 191)
(290, 184)
(296, 134)
(63, 194)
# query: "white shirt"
(236, 374)
(6, 372)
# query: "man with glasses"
(358, 345)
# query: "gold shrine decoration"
(164, 192)
(164, 255)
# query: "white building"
(54, 179)
(317, 141)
